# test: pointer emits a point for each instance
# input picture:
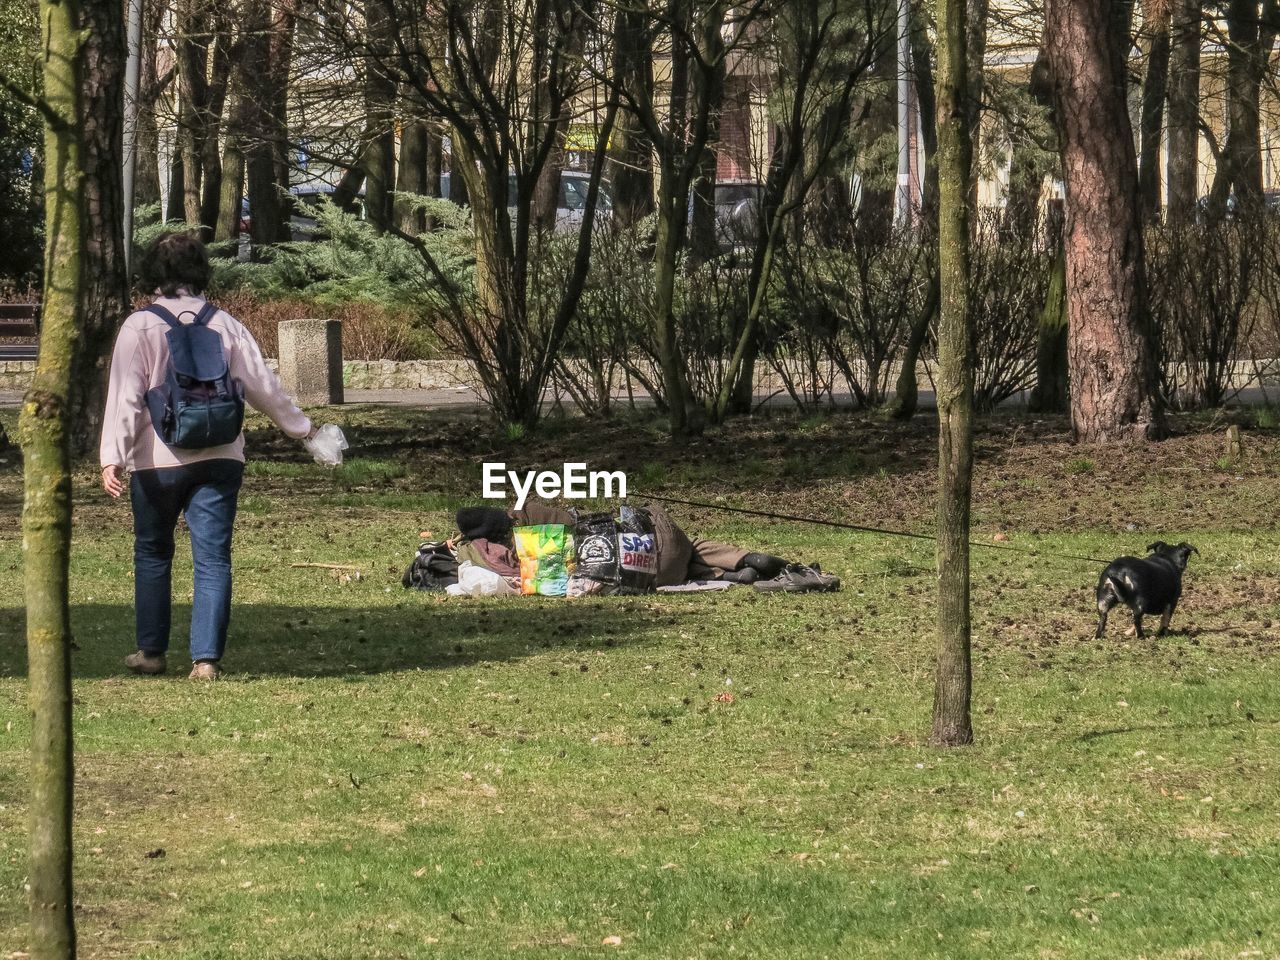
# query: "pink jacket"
(139, 363)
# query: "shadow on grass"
(786, 443)
(1090, 735)
(419, 634)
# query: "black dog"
(1150, 585)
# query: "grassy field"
(386, 774)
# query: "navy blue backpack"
(199, 405)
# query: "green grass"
(1081, 465)
(353, 473)
(385, 774)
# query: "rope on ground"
(862, 528)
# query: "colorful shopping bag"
(546, 558)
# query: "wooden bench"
(19, 320)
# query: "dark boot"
(765, 564)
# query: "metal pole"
(132, 71)
(902, 205)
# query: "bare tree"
(698, 35)
(503, 78)
(952, 725)
(823, 50)
(82, 62)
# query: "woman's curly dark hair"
(176, 261)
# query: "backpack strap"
(207, 313)
(164, 315)
(202, 318)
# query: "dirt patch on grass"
(1029, 477)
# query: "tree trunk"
(630, 169)
(703, 245)
(1050, 393)
(284, 20)
(267, 211)
(951, 721)
(227, 227)
(105, 290)
(685, 136)
(1113, 382)
(1250, 32)
(82, 64)
(1154, 88)
(411, 176)
(434, 169)
(379, 156)
(676, 391)
(242, 121)
(975, 61)
(879, 112)
(1182, 177)
(458, 192)
(194, 38)
(631, 174)
(349, 187)
(173, 210)
(545, 208)
(215, 104)
(147, 176)
(379, 160)
(906, 391)
(1026, 168)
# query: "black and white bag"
(616, 554)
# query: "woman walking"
(180, 473)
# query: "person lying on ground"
(486, 540)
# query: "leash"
(862, 528)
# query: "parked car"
(572, 203)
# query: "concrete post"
(311, 360)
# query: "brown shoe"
(149, 664)
(205, 670)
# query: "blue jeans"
(206, 492)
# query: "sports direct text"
(573, 482)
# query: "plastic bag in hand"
(327, 445)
